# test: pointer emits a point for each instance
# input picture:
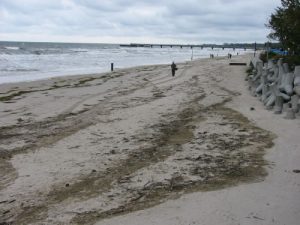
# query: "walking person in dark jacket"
(173, 68)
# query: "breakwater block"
(237, 64)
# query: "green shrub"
(291, 60)
(264, 56)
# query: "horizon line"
(62, 42)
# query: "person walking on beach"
(173, 68)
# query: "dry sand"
(138, 146)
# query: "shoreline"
(6, 87)
(138, 145)
(104, 71)
(78, 76)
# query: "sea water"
(27, 61)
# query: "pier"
(212, 46)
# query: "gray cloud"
(189, 21)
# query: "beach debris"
(258, 218)
(237, 64)
(275, 85)
(5, 212)
(158, 95)
(113, 152)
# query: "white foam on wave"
(11, 48)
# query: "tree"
(285, 25)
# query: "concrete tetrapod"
(297, 80)
(278, 105)
(276, 86)
(290, 114)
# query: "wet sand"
(138, 146)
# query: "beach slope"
(138, 146)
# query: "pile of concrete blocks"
(276, 86)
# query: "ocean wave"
(18, 70)
(37, 51)
(80, 51)
(41, 60)
(11, 48)
(51, 51)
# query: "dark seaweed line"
(91, 186)
(159, 193)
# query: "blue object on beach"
(279, 52)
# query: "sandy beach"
(138, 146)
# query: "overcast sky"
(126, 21)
